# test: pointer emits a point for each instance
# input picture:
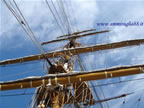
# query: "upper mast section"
(75, 35)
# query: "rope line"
(24, 24)
(54, 17)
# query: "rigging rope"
(139, 99)
(61, 21)
(62, 8)
(123, 95)
(54, 17)
(74, 16)
(26, 28)
(14, 9)
(20, 73)
(68, 14)
(124, 100)
(83, 68)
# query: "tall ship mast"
(66, 81)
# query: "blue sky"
(14, 43)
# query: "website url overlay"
(125, 24)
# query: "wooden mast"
(75, 51)
(74, 36)
(72, 77)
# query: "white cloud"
(41, 20)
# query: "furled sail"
(75, 51)
(72, 77)
(75, 33)
(74, 36)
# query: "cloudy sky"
(85, 14)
